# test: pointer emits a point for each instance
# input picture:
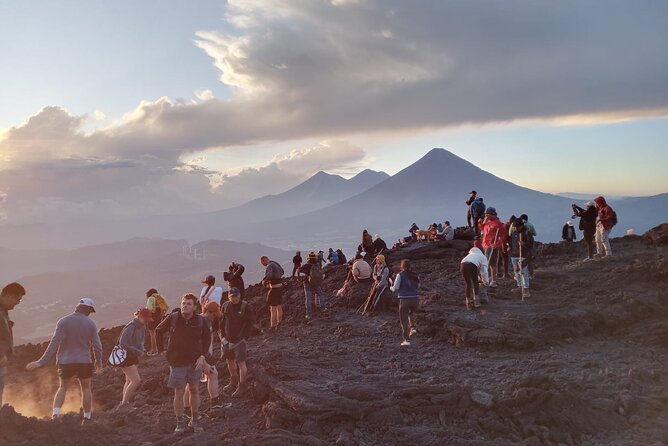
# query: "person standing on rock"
(158, 307)
(469, 202)
(132, 341)
(477, 213)
(187, 353)
(587, 226)
(521, 245)
(235, 326)
(213, 317)
(10, 296)
(473, 267)
(493, 239)
(296, 263)
(406, 284)
(313, 281)
(273, 279)
(234, 277)
(605, 222)
(72, 341)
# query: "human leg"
(132, 382)
(308, 293)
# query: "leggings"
(589, 240)
(504, 262)
(407, 306)
(470, 274)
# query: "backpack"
(613, 219)
(315, 275)
(478, 208)
(253, 330)
(161, 304)
(281, 272)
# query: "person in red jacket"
(604, 225)
(493, 240)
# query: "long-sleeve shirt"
(212, 293)
(361, 270)
(6, 334)
(381, 272)
(72, 341)
(133, 337)
(477, 258)
(189, 340)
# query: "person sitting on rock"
(332, 257)
(379, 245)
(381, 275)
(406, 284)
(342, 257)
(473, 266)
(367, 243)
(447, 233)
(235, 326)
(361, 271)
(413, 231)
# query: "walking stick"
(521, 268)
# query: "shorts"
(180, 376)
(130, 359)
(81, 371)
(275, 297)
(238, 353)
(493, 255)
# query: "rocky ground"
(582, 361)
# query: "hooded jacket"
(604, 213)
(477, 258)
(489, 229)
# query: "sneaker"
(413, 331)
(204, 378)
(492, 284)
(476, 303)
(405, 344)
(232, 386)
(307, 318)
(241, 390)
(86, 421)
(195, 426)
(217, 403)
(180, 427)
(587, 259)
(152, 353)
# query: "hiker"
(381, 275)
(233, 277)
(210, 292)
(477, 213)
(321, 258)
(379, 245)
(446, 232)
(606, 220)
(473, 267)
(342, 258)
(74, 336)
(10, 296)
(360, 271)
(406, 284)
(313, 285)
(568, 232)
(521, 244)
(367, 243)
(187, 355)
(469, 202)
(235, 326)
(132, 341)
(532, 231)
(493, 239)
(213, 316)
(273, 279)
(587, 226)
(504, 255)
(296, 263)
(158, 307)
(413, 231)
(333, 257)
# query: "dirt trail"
(582, 361)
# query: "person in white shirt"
(210, 292)
(474, 267)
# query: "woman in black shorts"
(132, 341)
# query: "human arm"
(205, 342)
(54, 344)
(126, 339)
(397, 284)
(97, 349)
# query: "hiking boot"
(195, 426)
(180, 427)
(526, 293)
(476, 303)
(217, 403)
(413, 331)
(152, 353)
(232, 386)
(86, 421)
(587, 259)
(307, 318)
(405, 344)
(241, 390)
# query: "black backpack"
(315, 275)
(613, 219)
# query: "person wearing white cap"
(71, 344)
(568, 232)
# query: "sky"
(127, 108)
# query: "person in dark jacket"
(379, 244)
(406, 284)
(469, 202)
(568, 232)
(238, 319)
(342, 257)
(587, 226)
(521, 245)
(367, 242)
(313, 285)
(187, 355)
(234, 277)
(10, 296)
(273, 279)
(296, 263)
(132, 341)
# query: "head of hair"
(407, 269)
(151, 292)
(190, 296)
(13, 288)
(524, 217)
(447, 223)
